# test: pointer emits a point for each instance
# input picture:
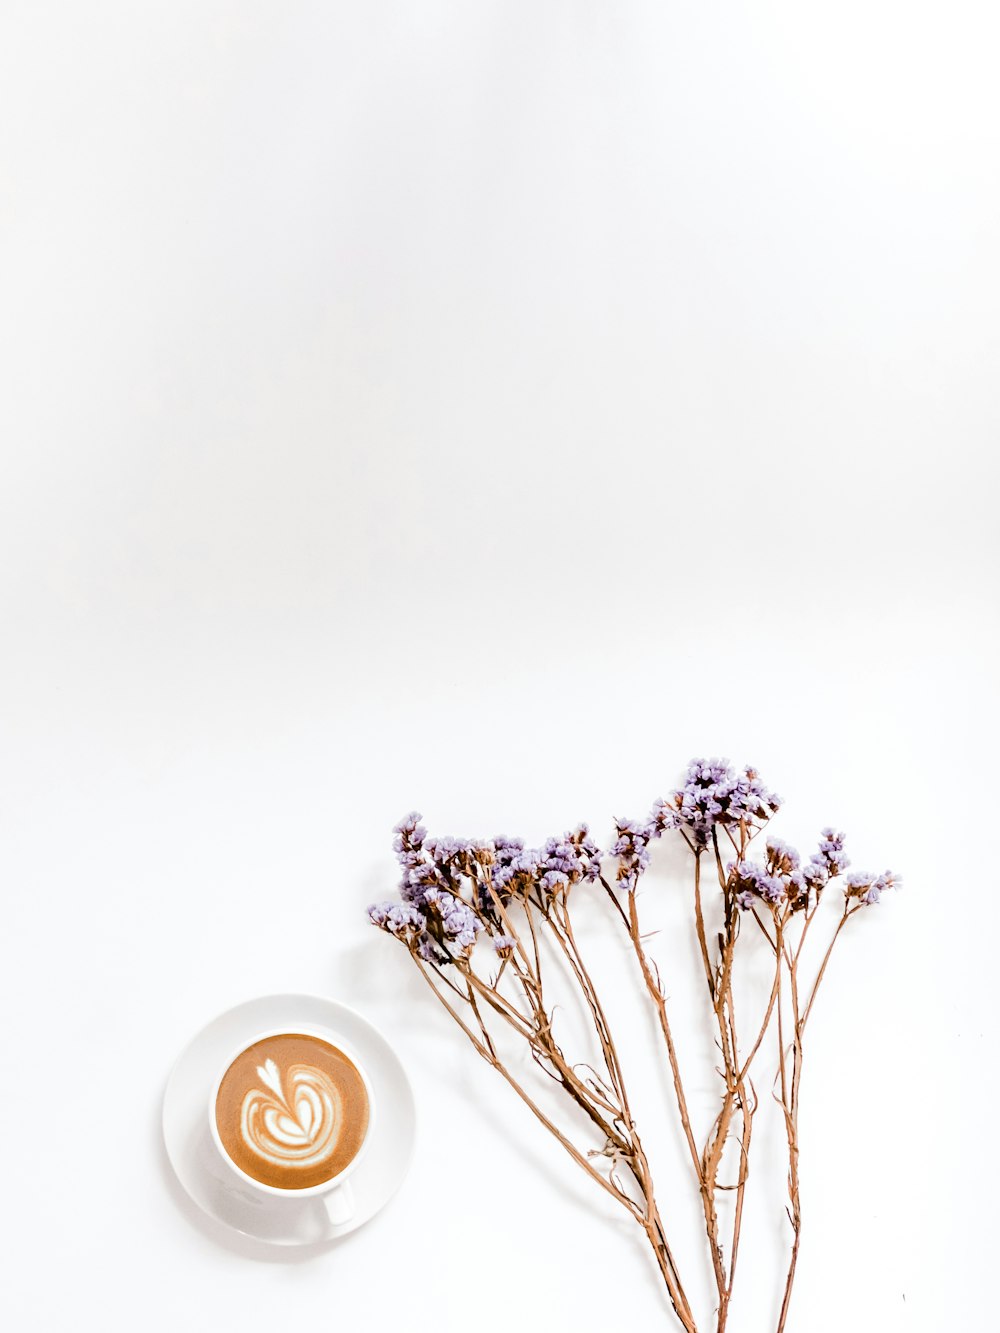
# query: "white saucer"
(217, 1191)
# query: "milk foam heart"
(297, 1121)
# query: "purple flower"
(399, 919)
(418, 873)
(409, 832)
(815, 874)
(431, 952)
(405, 923)
(444, 851)
(504, 945)
(868, 888)
(419, 880)
(513, 866)
(801, 894)
(631, 847)
(751, 882)
(575, 855)
(452, 888)
(557, 864)
(831, 852)
(784, 859)
(663, 816)
(715, 794)
(459, 925)
(826, 862)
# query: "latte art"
(296, 1124)
(292, 1111)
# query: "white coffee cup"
(335, 1193)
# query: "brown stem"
(538, 1031)
(735, 1097)
(653, 1227)
(764, 1025)
(738, 1214)
(559, 919)
(789, 1101)
(563, 930)
(505, 1073)
(737, 1089)
(648, 1216)
(700, 925)
(745, 1145)
(789, 1281)
(546, 1048)
(847, 914)
(790, 1107)
(659, 1001)
(790, 1095)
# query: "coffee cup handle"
(339, 1205)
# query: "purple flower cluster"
(450, 887)
(631, 847)
(825, 863)
(398, 919)
(714, 794)
(513, 866)
(408, 925)
(557, 864)
(784, 879)
(418, 873)
(752, 883)
(453, 889)
(831, 853)
(868, 888)
(451, 853)
(459, 924)
(784, 859)
(785, 862)
(432, 918)
(569, 860)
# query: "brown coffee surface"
(292, 1111)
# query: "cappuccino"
(292, 1111)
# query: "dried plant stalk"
(457, 894)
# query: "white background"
(486, 407)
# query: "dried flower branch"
(455, 895)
